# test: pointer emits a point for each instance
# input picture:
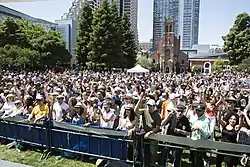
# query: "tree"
(114, 58)
(197, 69)
(11, 33)
(24, 44)
(128, 46)
(219, 65)
(99, 47)
(237, 41)
(145, 62)
(51, 47)
(83, 38)
(244, 66)
(17, 57)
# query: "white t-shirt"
(8, 108)
(107, 115)
(58, 110)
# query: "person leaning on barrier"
(130, 120)
(229, 134)
(200, 130)
(9, 105)
(60, 109)
(18, 110)
(77, 117)
(40, 111)
(178, 126)
(151, 122)
(107, 116)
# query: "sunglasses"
(198, 110)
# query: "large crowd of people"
(184, 105)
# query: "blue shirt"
(78, 120)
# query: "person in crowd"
(130, 120)
(28, 105)
(19, 109)
(9, 106)
(151, 122)
(107, 116)
(60, 109)
(40, 111)
(230, 109)
(178, 126)
(229, 134)
(244, 131)
(77, 117)
(169, 106)
(200, 130)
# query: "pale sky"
(216, 16)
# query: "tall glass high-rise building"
(185, 14)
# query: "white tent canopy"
(138, 69)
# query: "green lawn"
(32, 158)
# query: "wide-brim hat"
(17, 102)
(129, 96)
(151, 102)
(10, 95)
(78, 105)
(60, 96)
(231, 99)
(54, 94)
(39, 97)
(129, 107)
(173, 96)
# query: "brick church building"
(168, 56)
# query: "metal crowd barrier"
(68, 138)
(18, 129)
(104, 143)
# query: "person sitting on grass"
(40, 111)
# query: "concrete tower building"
(185, 14)
(130, 7)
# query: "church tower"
(169, 45)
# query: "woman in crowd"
(9, 106)
(107, 116)
(77, 117)
(229, 134)
(130, 120)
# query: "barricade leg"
(47, 152)
(163, 156)
(197, 159)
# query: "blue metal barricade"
(84, 141)
(95, 142)
(15, 129)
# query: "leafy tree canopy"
(237, 41)
(24, 44)
(244, 66)
(145, 62)
(128, 46)
(219, 65)
(84, 33)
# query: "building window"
(182, 62)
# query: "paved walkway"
(11, 164)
